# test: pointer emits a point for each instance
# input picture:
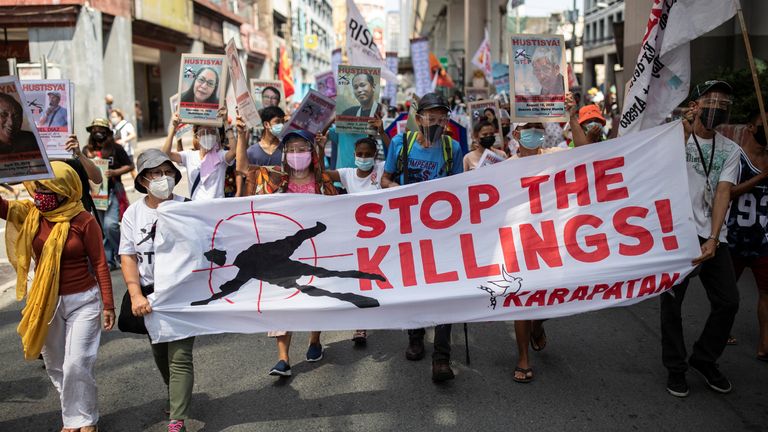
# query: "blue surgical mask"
(365, 164)
(588, 127)
(531, 138)
(276, 129)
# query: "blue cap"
(301, 133)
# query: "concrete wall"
(118, 66)
(79, 52)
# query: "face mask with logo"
(46, 201)
(532, 138)
(162, 187)
(276, 129)
(299, 161)
(208, 142)
(364, 164)
(488, 141)
(713, 117)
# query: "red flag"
(443, 79)
(285, 73)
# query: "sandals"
(359, 337)
(527, 375)
(542, 337)
(732, 340)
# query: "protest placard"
(100, 193)
(50, 102)
(22, 152)
(326, 83)
(358, 91)
(243, 99)
(488, 110)
(201, 88)
(390, 90)
(473, 94)
(267, 93)
(489, 158)
(421, 72)
(537, 67)
(501, 78)
(533, 238)
(313, 115)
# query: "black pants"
(442, 350)
(719, 281)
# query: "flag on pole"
(662, 75)
(285, 73)
(482, 58)
(361, 49)
(440, 75)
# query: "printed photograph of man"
(546, 68)
(364, 90)
(55, 115)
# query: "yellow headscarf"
(23, 224)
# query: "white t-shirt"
(122, 130)
(353, 184)
(137, 237)
(213, 186)
(725, 168)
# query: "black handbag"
(126, 321)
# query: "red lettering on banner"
(599, 242)
(557, 296)
(471, 268)
(476, 205)
(667, 282)
(580, 187)
(545, 247)
(579, 293)
(430, 269)
(538, 297)
(404, 203)
(647, 286)
(622, 226)
(614, 291)
(431, 200)
(599, 288)
(664, 211)
(372, 265)
(534, 191)
(631, 287)
(377, 226)
(508, 250)
(603, 179)
(515, 298)
(407, 264)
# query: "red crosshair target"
(253, 214)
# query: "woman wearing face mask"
(301, 171)
(70, 292)
(268, 151)
(207, 163)
(484, 135)
(101, 144)
(157, 178)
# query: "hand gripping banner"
(604, 225)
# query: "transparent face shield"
(714, 109)
(432, 127)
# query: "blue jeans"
(111, 228)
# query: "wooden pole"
(751, 59)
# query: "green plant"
(744, 95)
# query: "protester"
(154, 114)
(268, 151)
(300, 171)
(713, 162)
(157, 178)
(270, 96)
(139, 119)
(419, 156)
(124, 132)
(87, 171)
(206, 163)
(484, 136)
(204, 87)
(343, 144)
(108, 101)
(747, 236)
(62, 315)
(591, 121)
(101, 144)
(12, 138)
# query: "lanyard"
(707, 169)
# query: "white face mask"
(208, 141)
(162, 187)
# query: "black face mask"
(432, 133)
(505, 130)
(716, 115)
(99, 136)
(760, 136)
(487, 142)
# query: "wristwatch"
(717, 240)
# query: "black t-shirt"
(117, 157)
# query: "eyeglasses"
(209, 83)
(158, 173)
(274, 98)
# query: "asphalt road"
(601, 371)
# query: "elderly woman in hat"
(70, 291)
(157, 178)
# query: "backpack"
(409, 140)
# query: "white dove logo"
(509, 284)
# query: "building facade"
(312, 42)
(600, 52)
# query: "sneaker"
(359, 337)
(714, 379)
(415, 349)
(282, 368)
(677, 385)
(441, 371)
(315, 352)
(176, 426)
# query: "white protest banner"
(662, 75)
(537, 70)
(22, 153)
(361, 49)
(390, 91)
(51, 105)
(540, 237)
(245, 104)
(421, 71)
(482, 58)
(313, 115)
(201, 91)
(357, 103)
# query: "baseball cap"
(708, 86)
(152, 158)
(591, 112)
(301, 133)
(432, 100)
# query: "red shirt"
(84, 245)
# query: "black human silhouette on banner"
(271, 262)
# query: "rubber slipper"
(543, 337)
(528, 373)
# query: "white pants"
(70, 355)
